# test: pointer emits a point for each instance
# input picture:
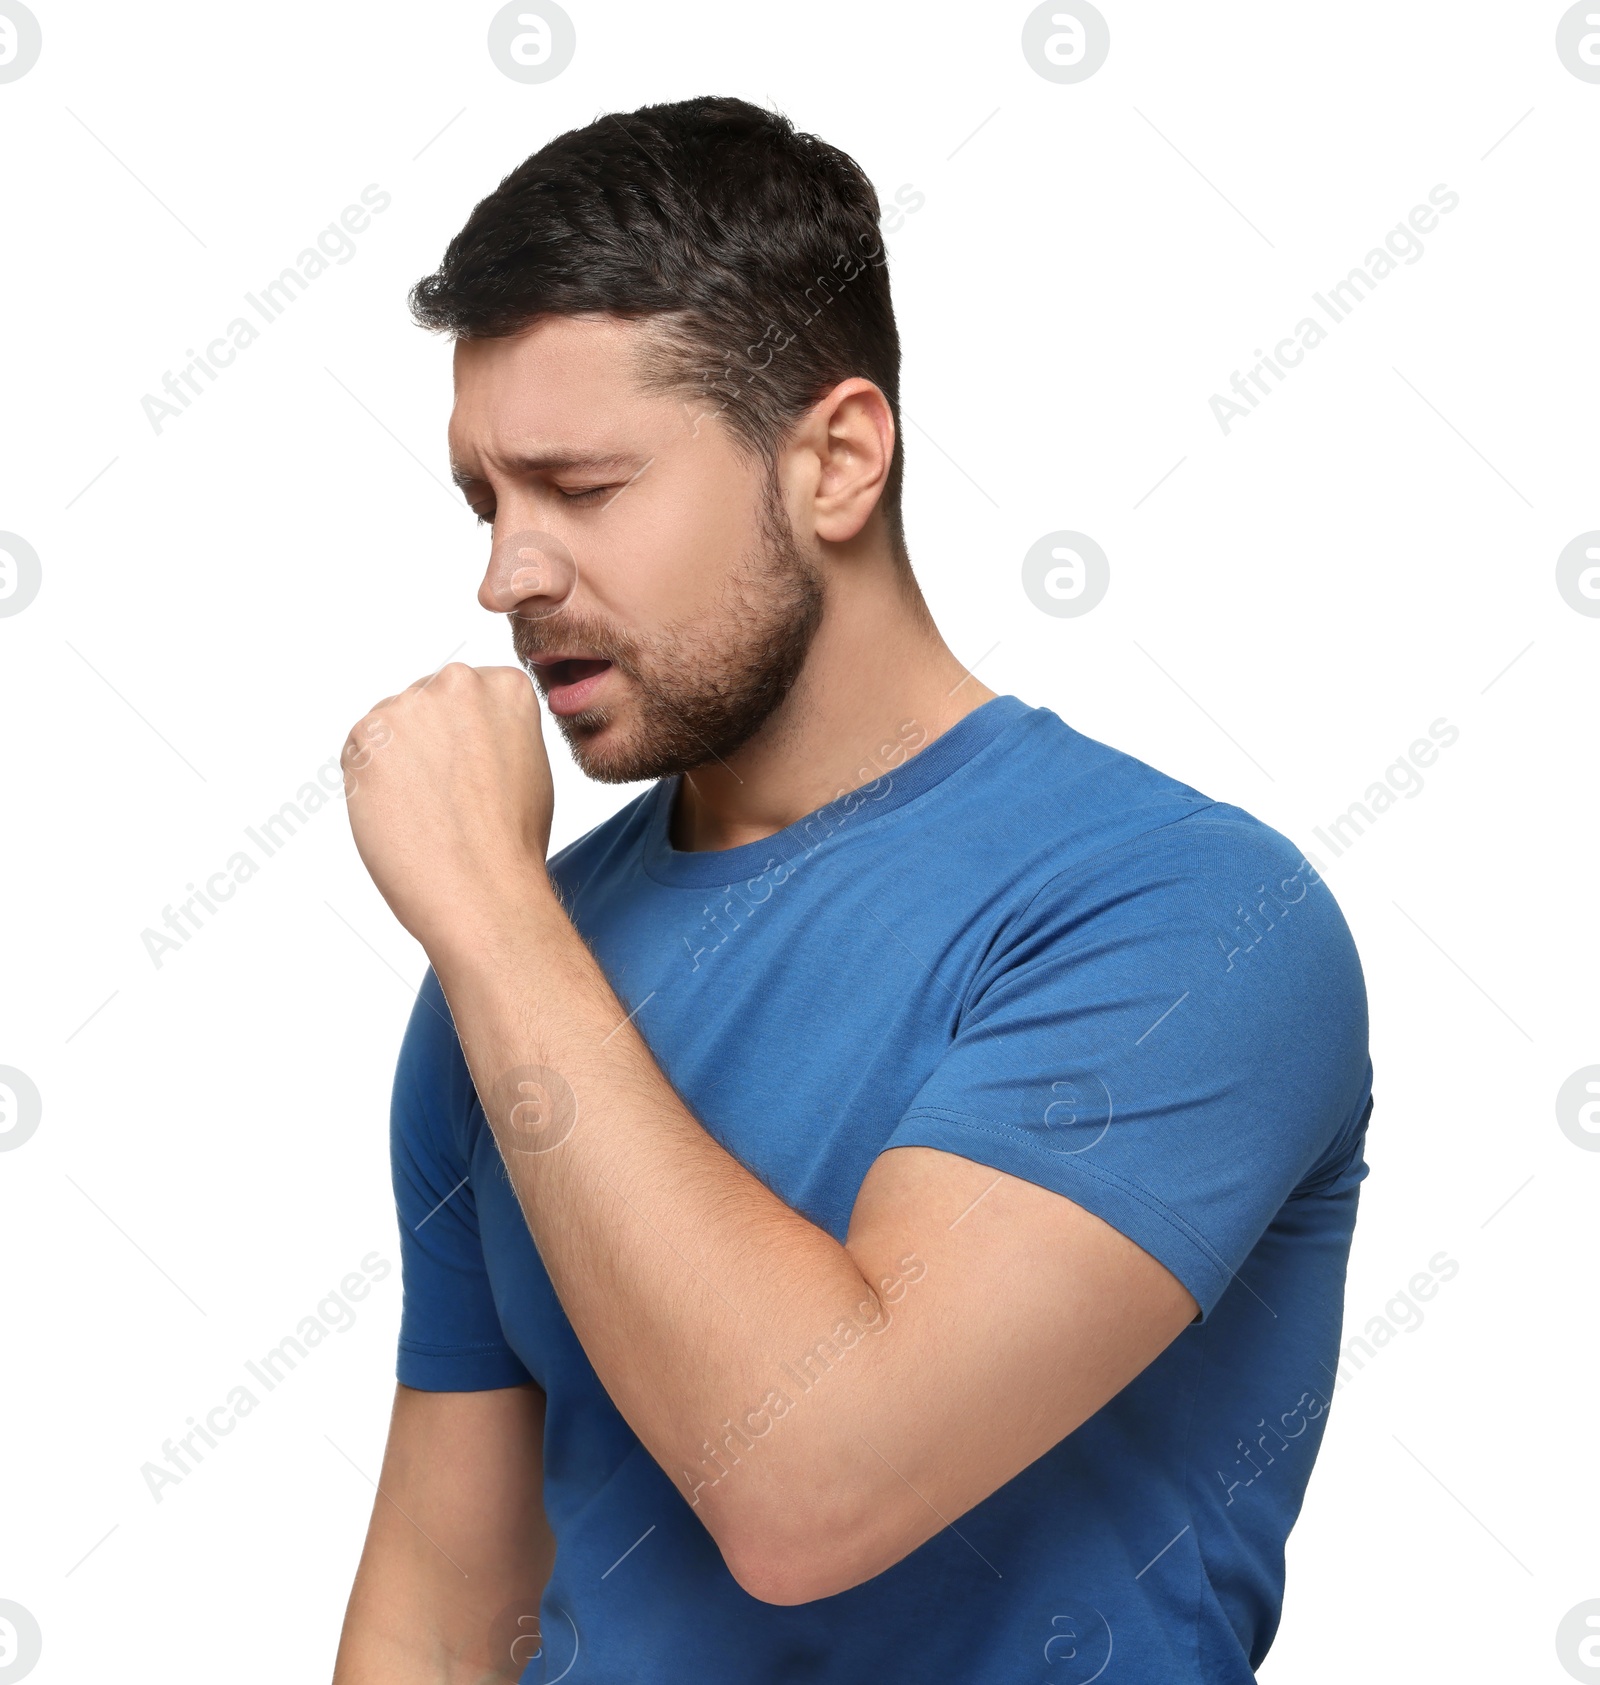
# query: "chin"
(603, 750)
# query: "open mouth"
(571, 684)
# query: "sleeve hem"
(1128, 1207)
(460, 1369)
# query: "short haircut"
(754, 249)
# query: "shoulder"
(1142, 888)
(1116, 832)
(1062, 798)
(1209, 883)
(1215, 866)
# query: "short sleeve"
(1174, 1036)
(450, 1334)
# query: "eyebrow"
(547, 462)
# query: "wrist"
(494, 933)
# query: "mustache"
(532, 639)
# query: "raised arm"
(685, 1278)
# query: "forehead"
(569, 381)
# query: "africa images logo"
(21, 1642)
(1401, 244)
(531, 40)
(20, 1107)
(1065, 574)
(1578, 40)
(20, 574)
(20, 43)
(1065, 40)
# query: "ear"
(851, 433)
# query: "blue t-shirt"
(1026, 948)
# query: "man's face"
(654, 585)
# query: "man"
(875, 1208)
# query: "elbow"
(791, 1567)
(790, 1578)
(818, 1526)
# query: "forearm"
(373, 1650)
(458, 1549)
(688, 1282)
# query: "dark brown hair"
(754, 249)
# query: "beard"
(702, 690)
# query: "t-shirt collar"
(849, 812)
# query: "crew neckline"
(931, 765)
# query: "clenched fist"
(450, 800)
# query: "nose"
(531, 574)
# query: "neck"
(878, 684)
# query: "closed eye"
(583, 494)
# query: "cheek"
(672, 558)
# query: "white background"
(1372, 549)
